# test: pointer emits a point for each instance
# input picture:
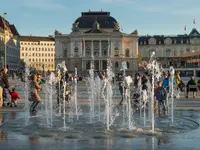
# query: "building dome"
(88, 19)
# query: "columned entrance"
(98, 64)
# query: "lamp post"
(4, 15)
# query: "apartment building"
(39, 51)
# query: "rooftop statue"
(116, 27)
(57, 32)
(135, 32)
(75, 26)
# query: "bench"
(192, 88)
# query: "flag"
(185, 28)
(194, 21)
(83, 43)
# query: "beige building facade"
(39, 51)
(9, 40)
(169, 50)
(96, 36)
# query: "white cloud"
(43, 4)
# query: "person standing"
(3, 84)
(166, 82)
(177, 78)
(159, 94)
(192, 83)
(34, 94)
(121, 90)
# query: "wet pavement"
(12, 140)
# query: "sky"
(149, 17)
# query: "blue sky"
(42, 17)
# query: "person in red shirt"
(14, 96)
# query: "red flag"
(83, 43)
(194, 21)
(185, 28)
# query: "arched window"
(116, 65)
(65, 53)
(127, 64)
(127, 52)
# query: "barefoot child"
(14, 96)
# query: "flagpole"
(109, 53)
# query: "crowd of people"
(141, 83)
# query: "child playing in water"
(14, 96)
(68, 92)
(159, 93)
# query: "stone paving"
(180, 104)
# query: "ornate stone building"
(96, 35)
(9, 36)
(170, 50)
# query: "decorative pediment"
(152, 41)
(168, 41)
(194, 32)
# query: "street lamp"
(4, 15)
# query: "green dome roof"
(88, 19)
